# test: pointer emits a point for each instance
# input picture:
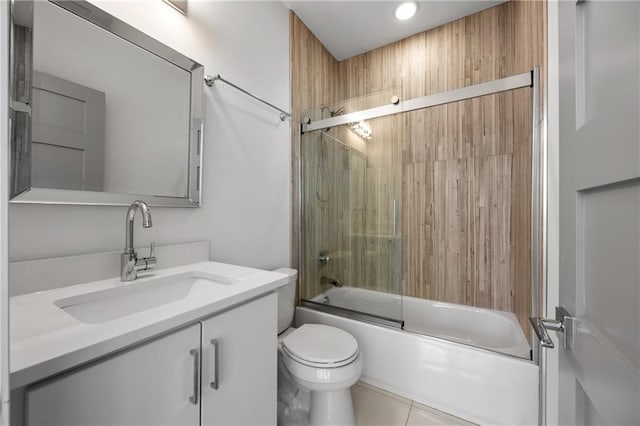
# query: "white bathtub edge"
(473, 384)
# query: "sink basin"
(130, 298)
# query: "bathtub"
(478, 385)
(485, 328)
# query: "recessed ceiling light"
(406, 10)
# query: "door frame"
(5, 21)
(551, 130)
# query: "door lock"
(562, 324)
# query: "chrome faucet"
(129, 262)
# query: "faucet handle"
(147, 263)
(151, 260)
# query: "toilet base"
(333, 408)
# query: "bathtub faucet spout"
(332, 281)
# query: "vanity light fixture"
(406, 10)
(362, 129)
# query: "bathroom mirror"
(101, 113)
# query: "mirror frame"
(21, 72)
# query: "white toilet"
(321, 360)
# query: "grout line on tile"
(414, 406)
(406, 422)
(384, 392)
(452, 419)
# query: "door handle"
(196, 376)
(215, 364)
(540, 327)
(562, 324)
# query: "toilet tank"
(286, 299)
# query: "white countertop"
(46, 340)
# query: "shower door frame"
(538, 166)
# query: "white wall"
(246, 177)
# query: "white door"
(153, 384)
(599, 240)
(239, 365)
(68, 133)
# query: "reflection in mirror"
(113, 112)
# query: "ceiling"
(349, 28)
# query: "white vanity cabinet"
(239, 365)
(148, 385)
(168, 380)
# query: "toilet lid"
(321, 345)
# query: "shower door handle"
(395, 218)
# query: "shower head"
(335, 113)
(339, 111)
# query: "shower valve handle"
(324, 258)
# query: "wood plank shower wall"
(465, 167)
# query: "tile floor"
(376, 407)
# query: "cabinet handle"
(196, 376)
(216, 356)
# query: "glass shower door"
(425, 218)
(352, 219)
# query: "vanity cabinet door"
(239, 365)
(147, 385)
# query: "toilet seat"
(320, 346)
